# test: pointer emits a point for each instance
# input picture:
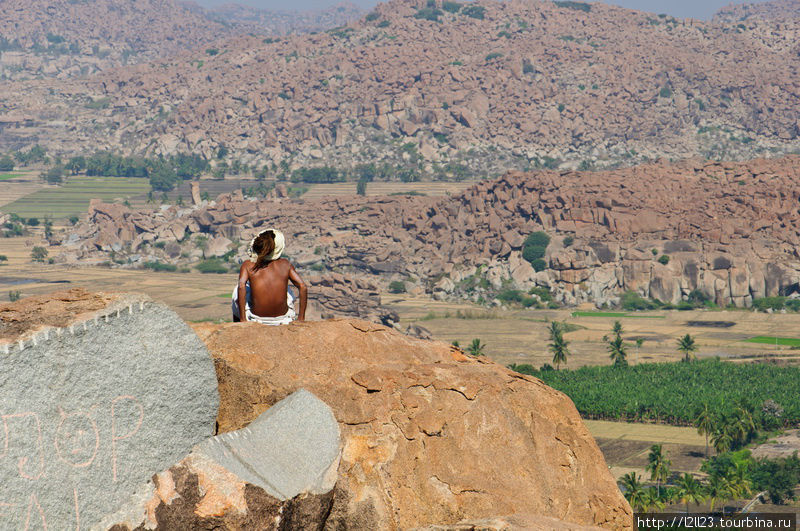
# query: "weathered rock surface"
(98, 393)
(277, 473)
(728, 230)
(430, 436)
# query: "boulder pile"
(728, 231)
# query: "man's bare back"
(268, 287)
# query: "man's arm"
(244, 276)
(301, 286)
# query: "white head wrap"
(280, 245)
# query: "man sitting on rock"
(263, 294)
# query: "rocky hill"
(338, 424)
(70, 38)
(287, 22)
(776, 11)
(728, 230)
(65, 38)
(487, 86)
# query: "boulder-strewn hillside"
(517, 82)
(68, 38)
(729, 230)
(777, 10)
(65, 38)
(287, 22)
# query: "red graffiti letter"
(115, 437)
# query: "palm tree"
(690, 490)
(617, 329)
(721, 439)
(651, 500)
(476, 347)
(633, 490)
(658, 465)
(704, 423)
(687, 345)
(559, 346)
(739, 480)
(719, 489)
(745, 424)
(617, 351)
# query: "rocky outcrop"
(516, 77)
(430, 436)
(726, 230)
(98, 392)
(276, 474)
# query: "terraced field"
(72, 198)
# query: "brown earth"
(58, 309)
(531, 79)
(727, 230)
(431, 436)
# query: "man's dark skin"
(268, 289)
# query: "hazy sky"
(678, 8)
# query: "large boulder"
(430, 436)
(97, 393)
(277, 473)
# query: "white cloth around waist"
(286, 318)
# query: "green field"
(616, 315)
(9, 176)
(772, 340)
(673, 392)
(72, 198)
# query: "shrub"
(493, 55)
(384, 24)
(663, 259)
(533, 249)
(451, 7)
(160, 266)
(543, 293)
(428, 13)
(32, 222)
(397, 286)
(633, 301)
(14, 296)
(6, 163)
(54, 175)
(211, 266)
(3, 258)
(39, 254)
(568, 241)
(474, 11)
(769, 303)
(374, 15)
(577, 6)
(361, 187)
(527, 67)
(665, 92)
(212, 51)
